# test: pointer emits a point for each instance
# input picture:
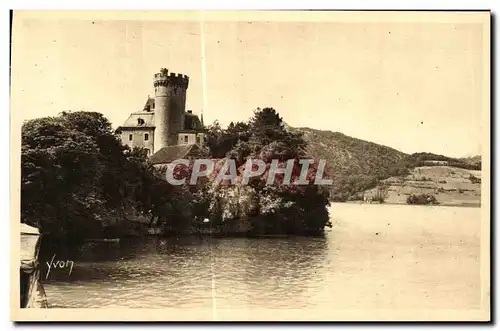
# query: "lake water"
(374, 257)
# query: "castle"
(164, 127)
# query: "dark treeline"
(79, 181)
(419, 159)
(274, 208)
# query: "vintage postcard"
(250, 166)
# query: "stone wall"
(139, 138)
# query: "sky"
(413, 85)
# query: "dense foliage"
(277, 208)
(78, 180)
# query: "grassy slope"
(450, 186)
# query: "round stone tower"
(169, 107)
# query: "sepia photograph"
(250, 166)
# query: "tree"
(78, 179)
(60, 172)
(276, 208)
(221, 141)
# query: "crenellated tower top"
(164, 78)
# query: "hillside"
(356, 165)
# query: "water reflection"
(373, 258)
(274, 270)
(214, 271)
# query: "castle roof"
(171, 153)
(150, 104)
(145, 119)
(192, 121)
(142, 119)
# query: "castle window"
(186, 139)
(146, 136)
(130, 137)
(140, 121)
(198, 139)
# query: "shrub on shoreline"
(474, 180)
(421, 199)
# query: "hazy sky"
(415, 86)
